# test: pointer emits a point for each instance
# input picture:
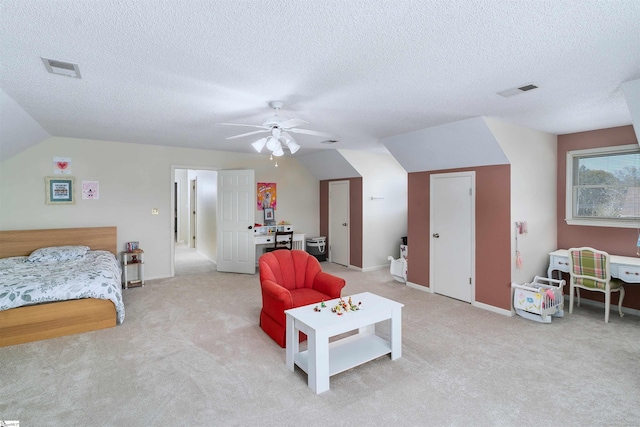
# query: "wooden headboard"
(23, 242)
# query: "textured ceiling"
(166, 72)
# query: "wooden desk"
(624, 268)
(267, 239)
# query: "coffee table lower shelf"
(349, 352)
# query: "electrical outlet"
(154, 211)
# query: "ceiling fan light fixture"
(272, 143)
(278, 152)
(293, 146)
(259, 144)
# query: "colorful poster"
(90, 190)
(266, 195)
(62, 165)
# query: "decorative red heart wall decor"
(62, 165)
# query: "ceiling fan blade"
(291, 123)
(248, 133)
(242, 124)
(310, 132)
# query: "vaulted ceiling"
(168, 72)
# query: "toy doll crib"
(539, 300)
(398, 267)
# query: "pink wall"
(493, 232)
(618, 241)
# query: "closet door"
(339, 222)
(452, 251)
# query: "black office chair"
(283, 240)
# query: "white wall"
(207, 196)
(18, 129)
(134, 178)
(292, 196)
(533, 157)
(384, 219)
(446, 146)
(631, 90)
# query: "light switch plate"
(155, 211)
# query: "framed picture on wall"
(269, 217)
(59, 190)
(266, 193)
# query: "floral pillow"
(58, 253)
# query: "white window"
(603, 187)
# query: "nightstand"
(133, 259)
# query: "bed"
(45, 320)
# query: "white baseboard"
(377, 267)
(493, 309)
(481, 305)
(418, 287)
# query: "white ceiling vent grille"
(517, 91)
(60, 67)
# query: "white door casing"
(339, 222)
(235, 236)
(452, 222)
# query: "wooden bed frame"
(55, 319)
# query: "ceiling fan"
(279, 130)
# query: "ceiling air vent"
(63, 68)
(517, 91)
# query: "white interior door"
(193, 204)
(176, 210)
(452, 235)
(235, 236)
(339, 222)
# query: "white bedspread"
(97, 275)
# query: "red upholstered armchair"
(289, 279)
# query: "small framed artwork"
(59, 190)
(133, 246)
(90, 190)
(269, 217)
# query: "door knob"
(344, 224)
(436, 235)
(250, 227)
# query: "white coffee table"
(323, 359)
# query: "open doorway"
(194, 196)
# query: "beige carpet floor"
(189, 261)
(191, 353)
